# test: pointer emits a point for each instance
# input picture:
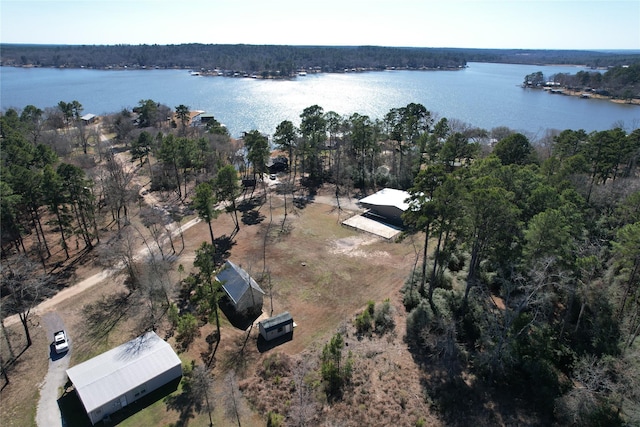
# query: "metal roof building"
(387, 203)
(276, 326)
(120, 376)
(244, 292)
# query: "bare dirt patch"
(350, 246)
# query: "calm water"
(483, 95)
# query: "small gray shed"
(276, 326)
(122, 375)
(243, 291)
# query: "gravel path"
(48, 413)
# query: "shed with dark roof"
(276, 326)
(245, 294)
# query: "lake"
(483, 95)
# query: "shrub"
(276, 364)
(363, 323)
(411, 291)
(384, 318)
(411, 299)
(274, 419)
(444, 301)
(418, 322)
(456, 261)
(371, 307)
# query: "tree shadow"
(252, 217)
(223, 245)
(301, 202)
(184, 404)
(240, 321)
(62, 271)
(251, 203)
(239, 357)
(462, 400)
(208, 354)
(104, 315)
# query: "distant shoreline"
(236, 73)
(585, 95)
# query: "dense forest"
(284, 60)
(531, 286)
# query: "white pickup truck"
(60, 342)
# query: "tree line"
(245, 58)
(277, 60)
(529, 277)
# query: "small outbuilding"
(276, 326)
(245, 294)
(122, 375)
(88, 119)
(388, 204)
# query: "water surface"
(482, 95)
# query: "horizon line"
(612, 50)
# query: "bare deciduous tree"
(157, 225)
(155, 290)
(303, 405)
(117, 189)
(198, 388)
(120, 254)
(24, 287)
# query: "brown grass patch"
(321, 272)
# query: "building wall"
(252, 299)
(282, 329)
(390, 213)
(137, 393)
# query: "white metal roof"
(388, 197)
(121, 369)
(236, 281)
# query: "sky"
(502, 24)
